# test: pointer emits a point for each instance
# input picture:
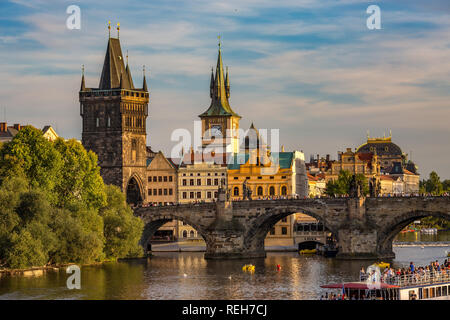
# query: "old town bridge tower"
(114, 124)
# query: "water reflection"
(189, 276)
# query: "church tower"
(114, 124)
(221, 121)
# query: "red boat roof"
(359, 285)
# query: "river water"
(187, 275)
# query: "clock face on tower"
(216, 130)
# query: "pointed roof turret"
(83, 86)
(144, 84)
(227, 84)
(218, 91)
(113, 67)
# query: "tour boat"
(411, 287)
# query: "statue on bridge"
(355, 190)
(247, 192)
(374, 187)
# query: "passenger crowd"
(433, 272)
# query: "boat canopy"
(359, 285)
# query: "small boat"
(308, 251)
(248, 267)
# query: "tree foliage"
(55, 208)
(341, 186)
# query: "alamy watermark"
(374, 20)
(74, 20)
(73, 281)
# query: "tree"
(80, 180)
(433, 185)
(121, 228)
(55, 208)
(446, 185)
(341, 186)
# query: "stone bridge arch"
(391, 227)
(154, 221)
(257, 232)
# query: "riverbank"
(39, 271)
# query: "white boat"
(428, 286)
(429, 231)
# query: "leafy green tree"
(341, 186)
(446, 185)
(24, 251)
(80, 180)
(122, 229)
(29, 154)
(433, 185)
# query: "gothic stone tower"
(220, 117)
(114, 124)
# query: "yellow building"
(269, 176)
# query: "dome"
(382, 146)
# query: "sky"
(310, 68)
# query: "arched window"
(192, 234)
(236, 191)
(283, 190)
(260, 191)
(272, 191)
(184, 234)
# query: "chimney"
(3, 127)
(17, 126)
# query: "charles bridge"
(364, 227)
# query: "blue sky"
(310, 68)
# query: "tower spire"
(144, 85)
(109, 29)
(83, 86)
(118, 29)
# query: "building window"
(283, 190)
(184, 195)
(191, 182)
(154, 179)
(170, 191)
(272, 177)
(165, 178)
(109, 122)
(191, 195)
(199, 182)
(272, 191)
(284, 219)
(283, 177)
(192, 234)
(209, 195)
(170, 178)
(236, 191)
(149, 179)
(199, 195)
(208, 182)
(283, 230)
(184, 234)
(259, 177)
(149, 192)
(159, 179)
(272, 231)
(260, 191)
(165, 192)
(160, 192)
(216, 182)
(235, 178)
(215, 194)
(184, 182)
(97, 122)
